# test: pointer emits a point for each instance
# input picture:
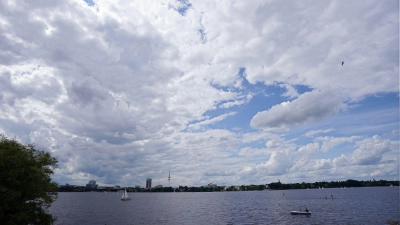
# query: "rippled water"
(374, 205)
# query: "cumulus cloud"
(370, 150)
(299, 62)
(323, 164)
(341, 161)
(278, 164)
(305, 158)
(118, 91)
(248, 170)
(291, 92)
(309, 149)
(309, 107)
(330, 142)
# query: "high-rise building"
(91, 185)
(148, 183)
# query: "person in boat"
(306, 209)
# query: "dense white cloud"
(123, 90)
(341, 161)
(370, 150)
(309, 107)
(309, 149)
(279, 163)
(291, 92)
(323, 164)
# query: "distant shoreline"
(271, 186)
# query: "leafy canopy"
(26, 188)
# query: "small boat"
(300, 213)
(125, 196)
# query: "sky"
(224, 92)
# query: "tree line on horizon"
(271, 186)
(332, 184)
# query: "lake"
(368, 205)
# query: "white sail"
(126, 194)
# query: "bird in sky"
(342, 63)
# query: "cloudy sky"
(225, 92)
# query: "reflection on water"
(375, 205)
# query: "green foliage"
(26, 189)
(275, 185)
(332, 184)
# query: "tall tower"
(169, 177)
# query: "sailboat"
(125, 196)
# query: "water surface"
(373, 205)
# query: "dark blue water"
(374, 205)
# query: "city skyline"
(222, 92)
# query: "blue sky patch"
(90, 2)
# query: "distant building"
(91, 185)
(158, 186)
(148, 183)
(137, 186)
(212, 185)
(63, 185)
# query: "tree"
(26, 188)
(275, 185)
